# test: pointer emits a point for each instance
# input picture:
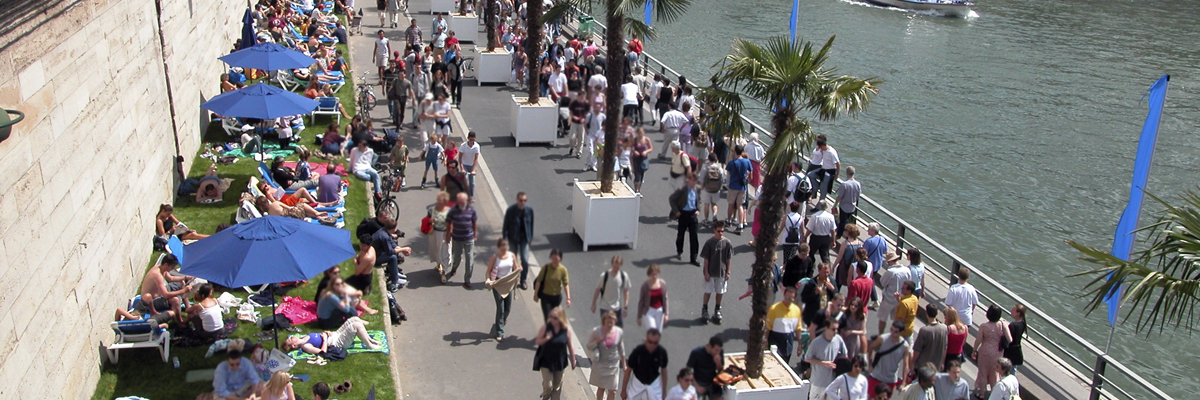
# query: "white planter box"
(605, 220)
(494, 67)
(534, 123)
(784, 383)
(465, 27)
(441, 6)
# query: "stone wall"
(81, 178)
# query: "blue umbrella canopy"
(247, 30)
(261, 101)
(268, 57)
(267, 250)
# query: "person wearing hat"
(890, 283)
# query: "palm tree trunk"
(615, 44)
(533, 50)
(489, 21)
(771, 201)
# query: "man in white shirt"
(962, 297)
(824, 166)
(820, 228)
(595, 135)
(613, 291)
(889, 283)
(468, 156)
(382, 49)
(439, 24)
(671, 122)
(643, 84)
(755, 152)
(361, 160)
(558, 83)
(598, 82)
(630, 96)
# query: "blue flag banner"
(649, 9)
(1123, 239)
(795, 17)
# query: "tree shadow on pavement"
(466, 338)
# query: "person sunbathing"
(156, 296)
(269, 206)
(163, 318)
(205, 313)
(211, 188)
(300, 196)
(317, 343)
(166, 224)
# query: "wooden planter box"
(441, 6)
(465, 27)
(605, 219)
(534, 123)
(778, 381)
(494, 67)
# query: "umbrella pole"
(274, 326)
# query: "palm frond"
(843, 95)
(562, 11)
(1162, 283)
(788, 146)
(665, 11)
(726, 111)
(637, 28)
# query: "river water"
(1002, 134)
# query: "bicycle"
(387, 205)
(468, 66)
(364, 96)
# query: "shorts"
(290, 200)
(361, 282)
(736, 196)
(715, 284)
(710, 198)
(381, 60)
(886, 310)
(160, 304)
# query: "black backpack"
(804, 189)
(793, 233)
(368, 226)
(396, 312)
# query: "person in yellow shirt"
(783, 318)
(906, 311)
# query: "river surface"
(1001, 134)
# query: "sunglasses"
(718, 230)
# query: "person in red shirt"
(635, 45)
(451, 41)
(860, 287)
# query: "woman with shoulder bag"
(606, 341)
(500, 272)
(554, 353)
(652, 301)
(989, 346)
(552, 284)
(437, 215)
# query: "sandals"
(318, 360)
(344, 387)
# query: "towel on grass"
(318, 168)
(298, 310)
(357, 347)
(270, 149)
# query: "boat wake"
(929, 13)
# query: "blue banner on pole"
(795, 17)
(649, 11)
(1123, 239)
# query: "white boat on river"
(952, 8)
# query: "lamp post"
(6, 124)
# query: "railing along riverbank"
(1109, 378)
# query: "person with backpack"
(793, 223)
(799, 186)
(712, 179)
(680, 165)
(685, 205)
(613, 291)
(739, 176)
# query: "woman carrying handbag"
(554, 353)
(502, 272)
(552, 284)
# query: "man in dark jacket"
(518, 231)
(685, 205)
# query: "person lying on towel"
(317, 343)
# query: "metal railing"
(1068, 354)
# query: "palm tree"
(619, 16)
(1163, 281)
(790, 79)
(533, 49)
(489, 18)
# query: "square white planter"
(534, 123)
(495, 67)
(608, 219)
(441, 6)
(465, 27)
(778, 382)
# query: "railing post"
(1097, 377)
(954, 267)
(900, 236)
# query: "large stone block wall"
(81, 178)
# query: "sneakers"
(704, 315)
(403, 182)
(716, 318)
(679, 256)
(441, 273)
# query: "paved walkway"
(445, 349)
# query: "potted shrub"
(605, 218)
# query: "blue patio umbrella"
(248, 38)
(268, 57)
(267, 250)
(261, 101)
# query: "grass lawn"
(141, 372)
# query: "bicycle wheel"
(389, 208)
